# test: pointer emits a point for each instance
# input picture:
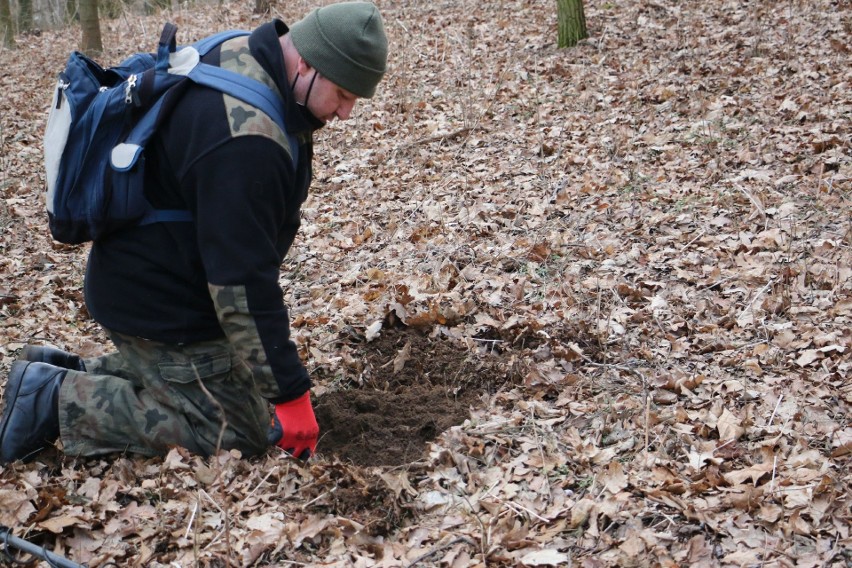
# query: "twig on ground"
(757, 296)
(256, 487)
(520, 508)
(223, 426)
(774, 468)
(754, 201)
(647, 419)
(438, 137)
(716, 283)
(191, 520)
(698, 236)
(485, 538)
(777, 404)
(320, 496)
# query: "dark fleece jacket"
(155, 281)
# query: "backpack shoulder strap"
(168, 42)
(204, 46)
(239, 86)
(246, 89)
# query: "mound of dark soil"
(389, 419)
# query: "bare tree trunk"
(262, 7)
(111, 9)
(91, 44)
(71, 11)
(151, 6)
(25, 15)
(572, 22)
(7, 30)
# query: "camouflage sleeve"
(279, 374)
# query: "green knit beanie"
(346, 43)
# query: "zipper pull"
(60, 88)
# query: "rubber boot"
(30, 420)
(52, 356)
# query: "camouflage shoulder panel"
(244, 119)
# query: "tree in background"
(262, 7)
(91, 44)
(572, 22)
(111, 9)
(152, 6)
(71, 13)
(7, 30)
(25, 15)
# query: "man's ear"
(303, 68)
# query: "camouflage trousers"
(149, 397)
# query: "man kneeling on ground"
(194, 308)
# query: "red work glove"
(294, 427)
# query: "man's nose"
(344, 111)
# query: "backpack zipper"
(61, 87)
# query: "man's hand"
(294, 427)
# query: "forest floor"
(585, 306)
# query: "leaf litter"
(562, 307)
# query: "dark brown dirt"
(389, 419)
(359, 494)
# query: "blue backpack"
(101, 120)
